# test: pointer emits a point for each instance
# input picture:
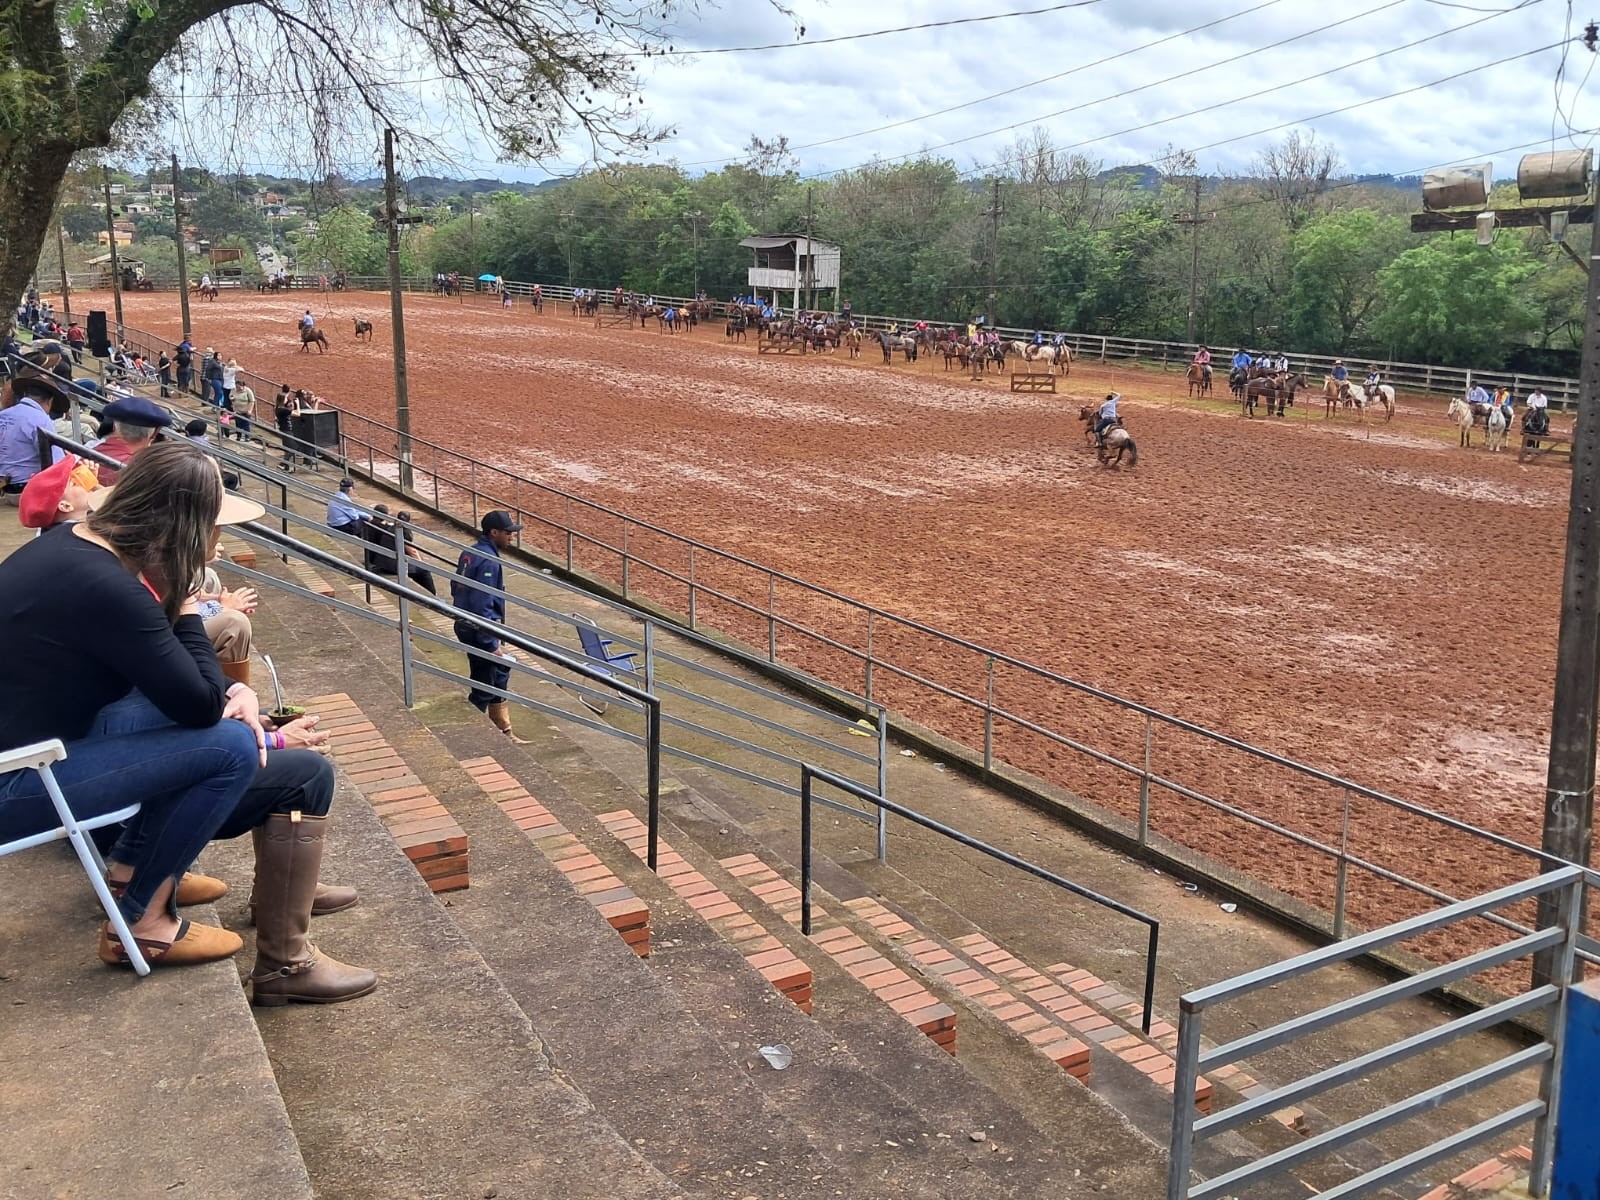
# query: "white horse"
(1381, 394)
(1497, 428)
(1461, 413)
(1047, 354)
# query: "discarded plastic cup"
(778, 1057)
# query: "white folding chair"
(38, 757)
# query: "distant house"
(117, 189)
(139, 210)
(162, 189)
(124, 234)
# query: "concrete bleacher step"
(119, 1086)
(437, 1084)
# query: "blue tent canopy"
(486, 278)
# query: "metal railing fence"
(810, 773)
(1345, 850)
(1547, 1000)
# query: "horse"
(853, 339)
(1199, 377)
(312, 333)
(1334, 393)
(1237, 378)
(1535, 425)
(205, 291)
(363, 329)
(1278, 391)
(1461, 413)
(1381, 393)
(1118, 440)
(1497, 429)
(737, 324)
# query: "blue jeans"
(1104, 424)
(483, 665)
(189, 782)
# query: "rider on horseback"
(308, 321)
(1202, 359)
(1107, 417)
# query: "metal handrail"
(1550, 998)
(808, 773)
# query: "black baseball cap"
(499, 519)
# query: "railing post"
(283, 503)
(371, 470)
(472, 483)
(652, 718)
(883, 784)
(1570, 920)
(692, 595)
(1181, 1157)
(988, 720)
(1341, 879)
(772, 618)
(436, 478)
(867, 691)
(805, 850)
(649, 656)
(1144, 783)
(624, 558)
(1102, 348)
(402, 580)
(569, 549)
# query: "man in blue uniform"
(480, 563)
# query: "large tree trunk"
(31, 173)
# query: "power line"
(856, 37)
(1224, 103)
(1021, 87)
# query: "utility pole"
(694, 224)
(566, 222)
(111, 233)
(994, 261)
(183, 268)
(66, 284)
(811, 256)
(1194, 220)
(397, 314)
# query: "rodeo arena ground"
(1363, 596)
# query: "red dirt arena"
(1370, 600)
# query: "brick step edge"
(1046, 1030)
(775, 962)
(239, 552)
(419, 824)
(310, 580)
(593, 880)
(1501, 1171)
(904, 995)
(1093, 990)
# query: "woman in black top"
(147, 717)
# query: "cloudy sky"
(1117, 80)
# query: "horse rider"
(1242, 360)
(308, 321)
(1202, 359)
(1340, 373)
(1107, 416)
(1280, 364)
(1373, 383)
(1477, 396)
(1502, 399)
(1038, 337)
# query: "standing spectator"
(77, 340)
(211, 377)
(230, 380)
(164, 374)
(480, 563)
(244, 412)
(134, 421)
(24, 414)
(283, 417)
(184, 357)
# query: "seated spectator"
(379, 556)
(150, 719)
(343, 515)
(227, 619)
(134, 424)
(58, 495)
(25, 401)
(195, 431)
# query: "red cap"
(39, 505)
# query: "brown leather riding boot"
(329, 898)
(500, 714)
(239, 671)
(288, 967)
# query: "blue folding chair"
(38, 757)
(597, 646)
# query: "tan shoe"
(194, 944)
(192, 889)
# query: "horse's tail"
(1133, 453)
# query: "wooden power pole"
(66, 284)
(183, 267)
(1194, 220)
(694, 224)
(994, 261)
(811, 257)
(111, 234)
(397, 314)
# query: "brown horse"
(313, 333)
(1199, 380)
(363, 329)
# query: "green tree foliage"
(1335, 261)
(346, 240)
(1450, 300)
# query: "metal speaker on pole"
(99, 340)
(1457, 187)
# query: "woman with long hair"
(147, 716)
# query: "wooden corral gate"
(1553, 450)
(613, 320)
(1021, 382)
(781, 346)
